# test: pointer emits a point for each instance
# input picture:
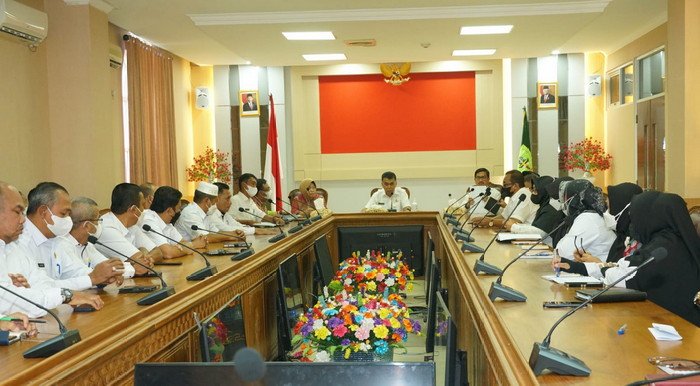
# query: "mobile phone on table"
(239, 244)
(219, 252)
(560, 304)
(168, 263)
(137, 289)
(83, 308)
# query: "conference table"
(497, 336)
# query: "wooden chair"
(320, 191)
(374, 190)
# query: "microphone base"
(448, 215)
(487, 269)
(243, 254)
(156, 296)
(453, 221)
(203, 273)
(471, 248)
(277, 238)
(461, 236)
(53, 345)
(548, 358)
(306, 222)
(315, 218)
(506, 293)
(295, 229)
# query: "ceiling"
(221, 32)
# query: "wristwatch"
(67, 295)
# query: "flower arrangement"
(218, 336)
(375, 274)
(211, 166)
(587, 155)
(352, 324)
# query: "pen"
(8, 319)
(622, 329)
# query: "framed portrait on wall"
(547, 95)
(249, 103)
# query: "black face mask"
(175, 217)
(536, 199)
(506, 191)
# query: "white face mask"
(98, 231)
(251, 190)
(555, 203)
(565, 206)
(61, 225)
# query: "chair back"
(292, 194)
(324, 194)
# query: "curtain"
(151, 114)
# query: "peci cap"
(208, 188)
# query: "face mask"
(565, 206)
(555, 204)
(175, 217)
(610, 220)
(536, 199)
(98, 231)
(61, 225)
(251, 190)
(617, 216)
(139, 215)
(506, 191)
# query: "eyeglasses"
(582, 249)
(675, 363)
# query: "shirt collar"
(196, 210)
(110, 220)
(34, 233)
(151, 215)
(73, 240)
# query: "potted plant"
(587, 155)
(211, 166)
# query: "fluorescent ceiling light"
(473, 52)
(485, 29)
(320, 35)
(320, 57)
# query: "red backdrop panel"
(431, 112)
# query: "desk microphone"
(248, 251)
(544, 357)
(208, 270)
(458, 232)
(456, 222)
(49, 347)
(481, 265)
(467, 246)
(664, 379)
(305, 222)
(153, 297)
(312, 219)
(450, 214)
(293, 229)
(273, 239)
(507, 293)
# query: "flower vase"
(588, 176)
(361, 356)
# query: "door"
(651, 144)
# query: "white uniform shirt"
(525, 212)
(116, 236)
(591, 230)
(86, 257)
(191, 215)
(481, 208)
(40, 249)
(218, 222)
(156, 223)
(239, 200)
(43, 289)
(398, 200)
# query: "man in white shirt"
(522, 212)
(49, 217)
(20, 272)
(75, 245)
(485, 205)
(165, 209)
(251, 214)
(196, 212)
(390, 197)
(120, 229)
(218, 218)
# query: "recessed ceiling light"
(319, 35)
(485, 29)
(473, 52)
(320, 57)
(556, 52)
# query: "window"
(621, 85)
(652, 74)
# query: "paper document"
(507, 236)
(664, 332)
(538, 255)
(569, 278)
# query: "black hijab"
(581, 196)
(547, 218)
(619, 197)
(553, 192)
(662, 220)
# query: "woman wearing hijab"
(585, 227)
(661, 220)
(547, 217)
(304, 201)
(553, 191)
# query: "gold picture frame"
(547, 95)
(249, 103)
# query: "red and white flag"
(273, 167)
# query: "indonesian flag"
(273, 168)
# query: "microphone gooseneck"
(471, 189)
(520, 201)
(92, 239)
(208, 270)
(273, 239)
(61, 326)
(196, 228)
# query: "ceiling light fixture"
(319, 35)
(473, 52)
(321, 57)
(556, 52)
(485, 29)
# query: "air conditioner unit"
(23, 22)
(116, 58)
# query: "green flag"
(525, 155)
